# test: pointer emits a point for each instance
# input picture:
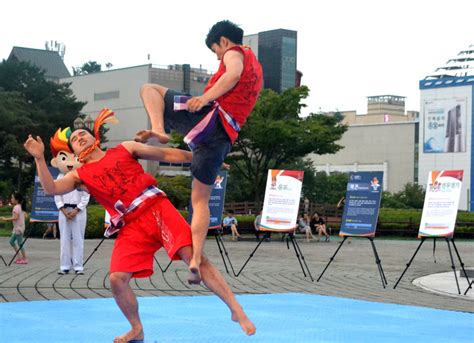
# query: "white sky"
(347, 49)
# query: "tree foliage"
(29, 104)
(275, 135)
(177, 189)
(88, 68)
(412, 196)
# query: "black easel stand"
(21, 245)
(5, 263)
(220, 244)
(469, 287)
(376, 255)
(448, 239)
(296, 247)
(159, 265)
(92, 253)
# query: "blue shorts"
(209, 155)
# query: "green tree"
(88, 68)
(29, 104)
(275, 135)
(177, 189)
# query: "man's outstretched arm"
(154, 153)
(35, 148)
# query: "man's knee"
(119, 280)
(151, 87)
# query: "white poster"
(445, 125)
(282, 200)
(441, 203)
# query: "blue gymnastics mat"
(290, 317)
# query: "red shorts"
(159, 225)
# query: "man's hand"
(35, 147)
(72, 214)
(196, 103)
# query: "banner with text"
(441, 203)
(216, 201)
(361, 210)
(282, 200)
(43, 207)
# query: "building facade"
(388, 147)
(446, 130)
(277, 52)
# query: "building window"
(106, 95)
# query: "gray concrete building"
(388, 147)
(119, 89)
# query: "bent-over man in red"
(146, 219)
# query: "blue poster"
(361, 209)
(43, 206)
(216, 201)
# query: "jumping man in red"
(211, 122)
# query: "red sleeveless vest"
(116, 176)
(241, 99)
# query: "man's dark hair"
(227, 29)
(69, 139)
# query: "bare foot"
(245, 323)
(144, 136)
(194, 276)
(131, 336)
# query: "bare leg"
(235, 233)
(127, 302)
(153, 98)
(214, 280)
(199, 226)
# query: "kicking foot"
(245, 323)
(144, 136)
(194, 276)
(131, 336)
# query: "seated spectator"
(319, 225)
(304, 226)
(231, 223)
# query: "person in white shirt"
(231, 223)
(72, 207)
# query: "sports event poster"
(43, 207)
(441, 203)
(361, 210)
(216, 201)
(282, 200)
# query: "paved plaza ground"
(273, 269)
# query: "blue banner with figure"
(216, 201)
(43, 208)
(361, 209)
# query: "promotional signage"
(282, 200)
(445, 126)
(441, 203)
(216, 201)
(361, 210)
(43, 206)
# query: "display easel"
(299, 254)
(376, 255)
(448, 240)
(93, 252)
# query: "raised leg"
(153, 98)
